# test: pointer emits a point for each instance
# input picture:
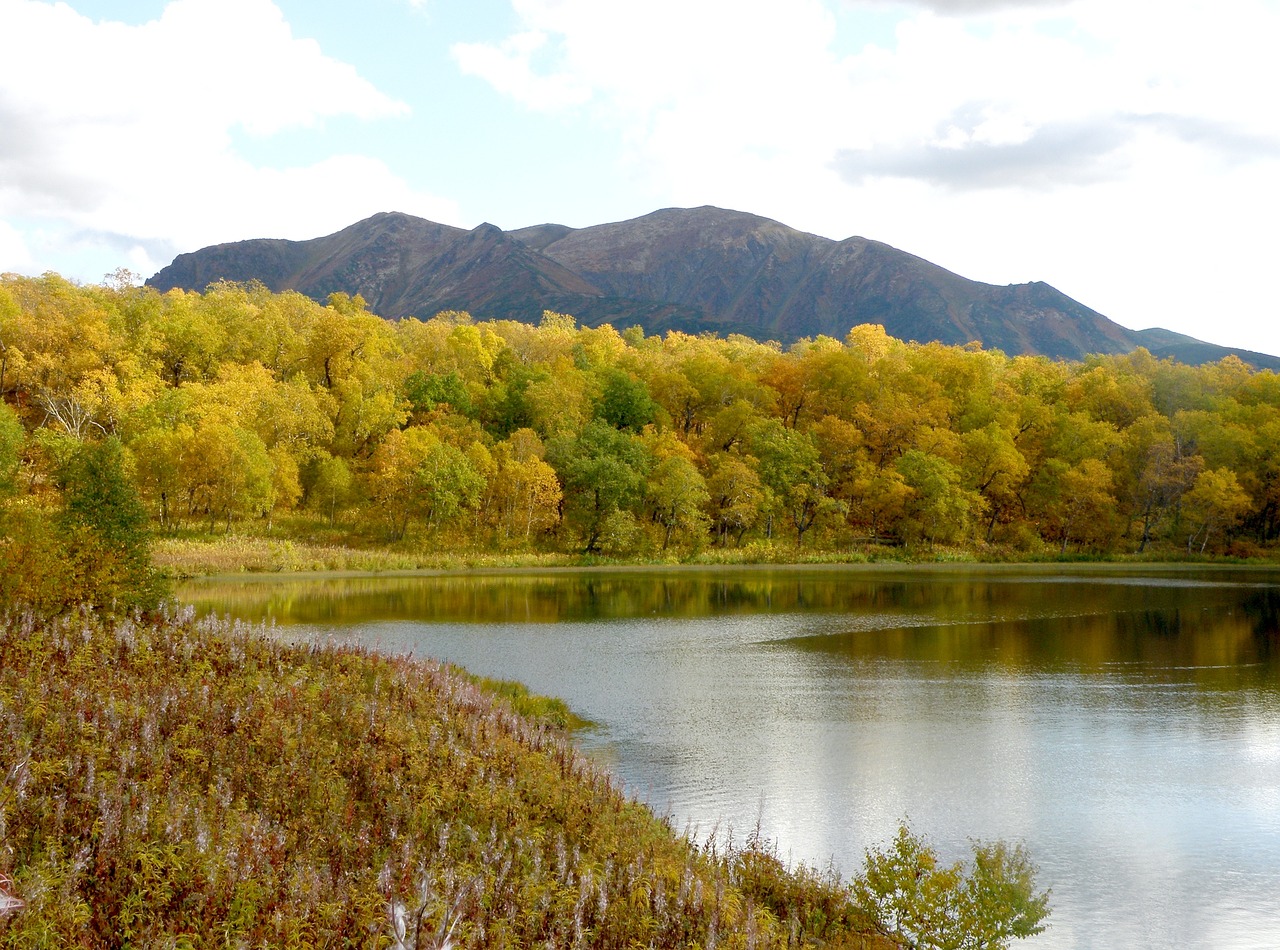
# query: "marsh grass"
(246, 554)
(193, 783)
(195, 556)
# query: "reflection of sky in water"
(1134, 748)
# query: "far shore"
(862, 567)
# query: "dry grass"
(243, 554)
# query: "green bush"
(92, 551)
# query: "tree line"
(239, 408)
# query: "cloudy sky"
(1126, 152)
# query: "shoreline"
(791, 567)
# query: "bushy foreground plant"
(923, 904)
(192, 783)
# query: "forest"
(238, 411)
(176, 782)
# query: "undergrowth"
(192, 783)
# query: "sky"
(1124, 151)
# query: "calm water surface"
(1123, 723)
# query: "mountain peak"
(689, 269)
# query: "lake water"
(1124, 723)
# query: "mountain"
(690, 269)
(400, 264)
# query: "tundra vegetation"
(173, 782)
(256, 422)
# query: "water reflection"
(1124, 723)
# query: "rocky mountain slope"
(691, 269)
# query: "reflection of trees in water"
(1263, 610)
(1014, 619)
(1209, 641)
(564, 597)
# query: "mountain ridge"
(689, 269)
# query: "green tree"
(426, 391)
(508, 404)
(791, 472)
(99, 495)
(11, 440)
(677, 494)
(446, 483)
(939, 507)
(105, 526)
(625, 402)
(922, 904)
(602, 470)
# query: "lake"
(1122, 722)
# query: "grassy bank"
(246, 554)
(186, 783)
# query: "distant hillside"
(690, 269)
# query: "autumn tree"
(329, 486)
(1159, 473)
(1075, 503)
(185, 338)
(227, 474)
(414, 475)
(1215, 502)
(878, 500)
(524, 495)
(734, 497)
(160, 469)
(995, 469)
(677, 494)
(558, 399)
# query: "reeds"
(243, 554)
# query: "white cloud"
(1116, 149)
(15, 257)
(509, 68)
(122, 136)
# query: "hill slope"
(690, 269)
